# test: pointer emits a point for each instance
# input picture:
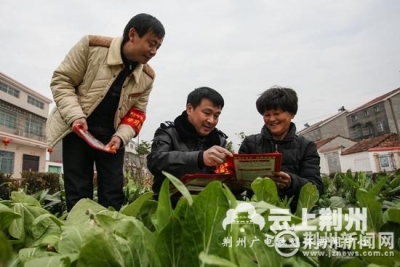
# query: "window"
(8, 119)
(9, 90)
(354, 118)
(367, 129)
(34, 126)
(54, 169)
(35, 102)
(384, 160)
(379, 127)
(6, 161)
(376, 109)
(366, 113)
(356, 132)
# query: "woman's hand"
(282, 179)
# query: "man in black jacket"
(190, 144)
(300, 159)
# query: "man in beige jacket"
(103, 86)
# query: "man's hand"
(81, 123)
(114, 143)
(215, 156)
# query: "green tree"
(143, 148)
(229, 146)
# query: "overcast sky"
(333, 53)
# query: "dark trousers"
(78, 162)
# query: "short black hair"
(195, 97)
(143, 23)
(278, 97)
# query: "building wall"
(392, 108)
(345, 143)
(331, 158)
(331, 152)
(22, 100)
(56, 155)
(375, 120)
(23, 115)
(372, 161)
(131, 146)
(20, 150)
(312, 135)
(385, 161)
(335, 126)
(357, 162)
(338, 126)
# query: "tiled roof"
(320, 143)
(324, 141)
(347, 113)
(330, 149)
(387, 140)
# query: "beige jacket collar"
(114, 57)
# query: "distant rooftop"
(386, 140)
(377, 100)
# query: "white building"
(377, 154)
(23, 116)
(330, 150)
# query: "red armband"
(135, 119)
